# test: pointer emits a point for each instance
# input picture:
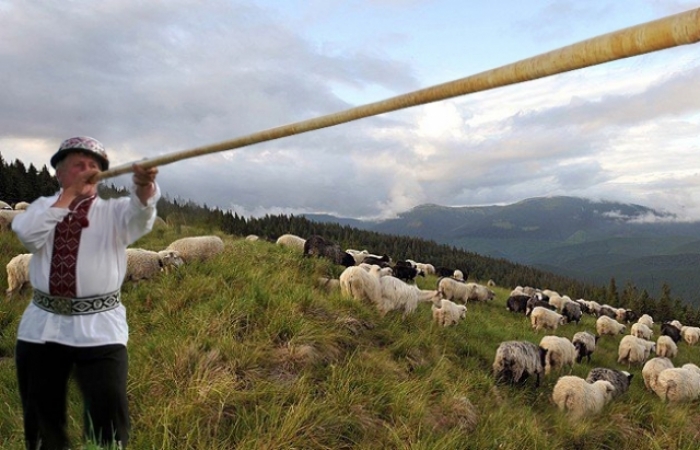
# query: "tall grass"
(245, 351)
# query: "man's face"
(74, 165)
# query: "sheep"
(572, 312)
(291, 241)
(515, 361)
(652, 369)
(559, 302)
(647, 320)
(618, 378)
(458, 275)
(593, 307)
(252, 237)
(362, 284)
(426, 268)
(452, 289)
(543, 318)
(578, 398)
(320, 247)
(679, 384)
(691, 335)
(560, 352)
(447, 313)
(633, 350)
(641, 331)
(585, 345)
(666, 347)
(676, 324)
(197, 248)
(442, 271)
(397, 295)
(491, 283)
(17, 273)
(21, 206)
(328, 284)
(607, 326)
(630, 316)
(517, 303)
(383, 261)
(5, 205)
(144, 264)
(672, 331)
(405, 273)
(535, 302)
(6, 217)
(607, 310)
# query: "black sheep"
(517, 303)
(321, 248)
(671, 331)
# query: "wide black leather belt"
(76, 306)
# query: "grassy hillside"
(246, 352)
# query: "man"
(76, 321)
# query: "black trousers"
(42, 374)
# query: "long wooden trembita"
(671, 31)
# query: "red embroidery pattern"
(62, 280)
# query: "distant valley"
(592, 241)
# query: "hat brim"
(59, 155)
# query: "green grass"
(244, 351)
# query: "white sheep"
(461, 292)
(558, 302)
(676, 324)
(6, 217)
(17, 273)
(458, 275)
(197, 248)
(515, 361)
(447, 313)
(560, 352)
(252, 237)
(691, 335)
(605, 325)
(21, 206)
(328, 284)
(585, 345)
(291, 241)
(362, 284)
(647, 320)
(679, 384)
(398, 295)
(578, 398)
(543, 318)
(633, 350)
(641, 331)
(666, 347)
(5, 205)
(652, 369)
(144, 264)
(426, 268)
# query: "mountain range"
(592, 241)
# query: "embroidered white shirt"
(101, 266)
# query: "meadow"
(245, 351)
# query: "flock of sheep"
(370, 279)
(515, 361)
(141, 264)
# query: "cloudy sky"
(152, 78)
